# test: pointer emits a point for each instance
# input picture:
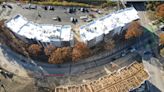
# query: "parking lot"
(56, 15)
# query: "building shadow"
(138, 5)
(146, 87)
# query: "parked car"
(9, 6)
(51, 8)
(33, 6)
(147, 53)
(71, 10)
(83, 17)
(3, 6)
(84, 10)
(73, 20)
(88, 20)
(131, 49)
(99, 12)
(26, 6)
(58, 18)
(112, 59)
(45, 7)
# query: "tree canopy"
(60, 55)
(161, 36)
(34, 49)
(80, 51)
(49, 49)
(134, 30)
(160, 10)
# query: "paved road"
(46, 68)
(67, 69)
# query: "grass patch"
(64, 4)
(109, 3)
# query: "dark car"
(58, 18)
(84, 10)
(131, 49)
(45, 7)
(51, 8)
(147, 53)
(9, 6)
(112, 59)
(3, 6)
(71, 10)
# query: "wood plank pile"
(121, 81)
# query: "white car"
(83, 17)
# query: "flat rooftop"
(107, 23)
(41, 32)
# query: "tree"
(134, 30)
(60, 55)
(80, 51)
(34, 49)
(49, 49)
(160, 10)
(109, 44)
(161, 36)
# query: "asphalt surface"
(39, 69)
(46, 16)
(68, 69)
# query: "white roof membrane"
(42, 32)
(108, 23)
